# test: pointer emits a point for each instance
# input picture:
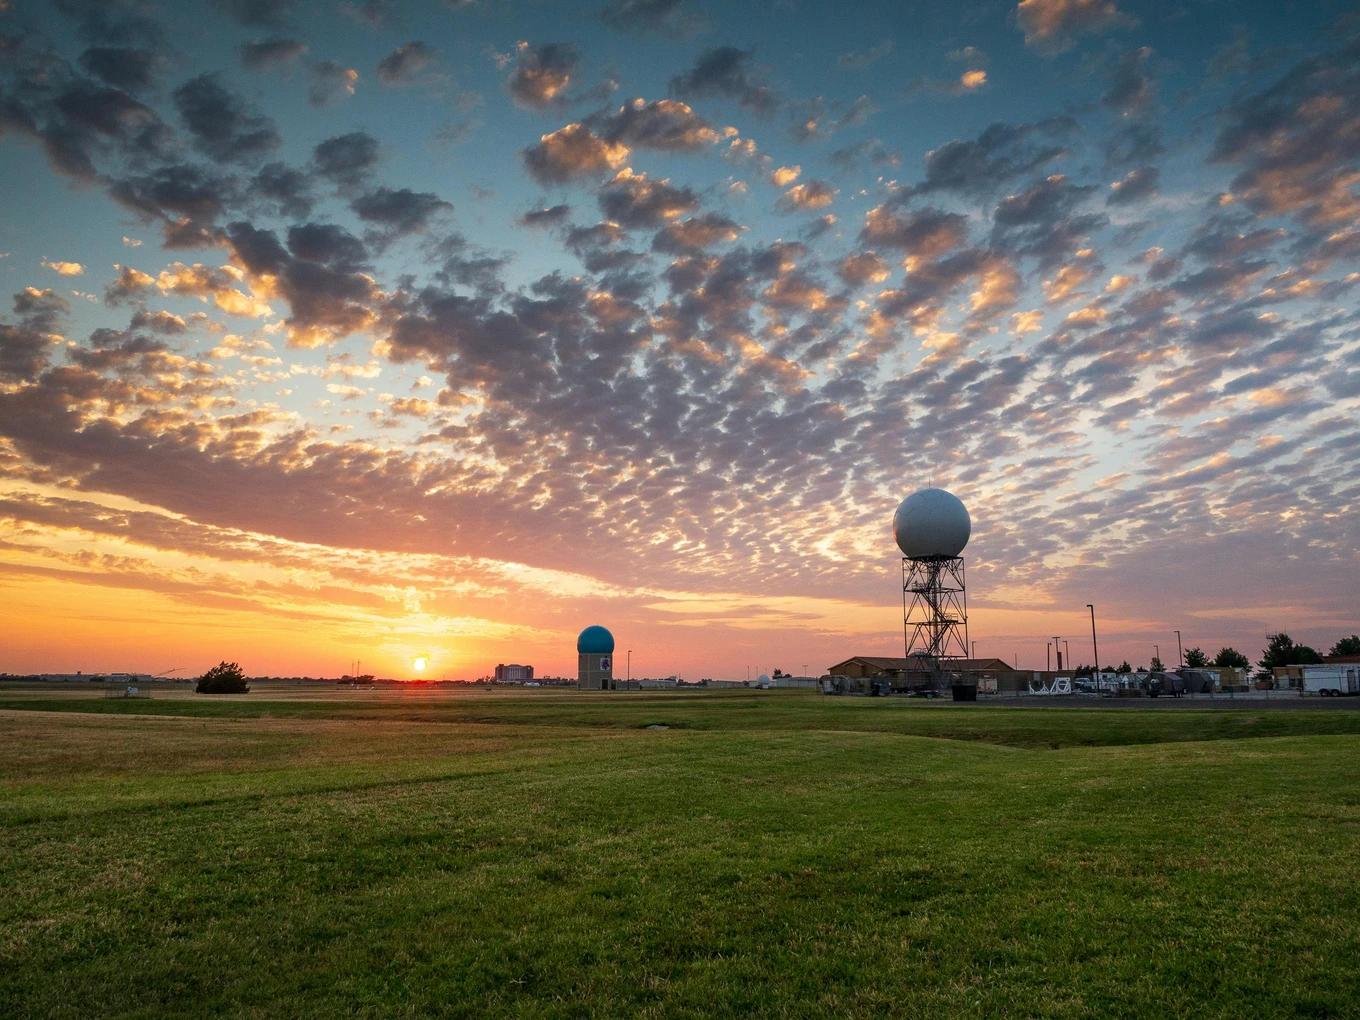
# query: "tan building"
(872, 665)
(991, 675)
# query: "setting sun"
(419, 663)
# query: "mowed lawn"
(546, 854)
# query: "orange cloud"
(64, 268)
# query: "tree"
(1195, 657)
(1347, 646)
(224, 678)
(1283, 652)
(1124, 667)
(1230, 657)
(1156, 664)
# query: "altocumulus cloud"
(349, 343)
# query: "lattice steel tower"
(931, 528)
(935, 607)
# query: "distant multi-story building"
(510, 672)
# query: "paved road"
(1255, 700)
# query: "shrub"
(224, 678)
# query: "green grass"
(544, 854)
(714, 710)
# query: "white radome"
(931, 523)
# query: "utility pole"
(630, 667)
(1057, 651)
(1067, 654)
(1180, 653)
(1094, 650)
(1048, 656)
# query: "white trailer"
(1331, 681)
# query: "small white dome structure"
(931, 524)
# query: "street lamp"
(1180, 654)
(1094, 650)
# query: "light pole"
(1180, 653)
(1057, 651)
(1094, 650)
(1157, 652)
(974, 644)
(630, 667)
(1067, 654)
(1048, 656)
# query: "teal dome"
(595, 640)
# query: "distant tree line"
(1280, 651)
(1227, 657)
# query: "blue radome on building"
(595, 640)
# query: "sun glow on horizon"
(419, 663)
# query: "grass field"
(547, 854)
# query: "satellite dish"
(931, 524)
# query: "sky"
(388, 331)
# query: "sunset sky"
(377, 330)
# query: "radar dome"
(931, 524)
(595, 640)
